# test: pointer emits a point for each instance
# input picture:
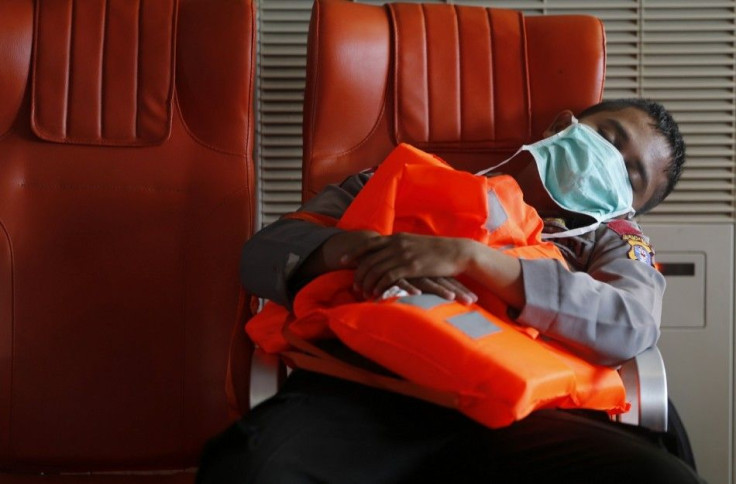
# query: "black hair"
(665, 124)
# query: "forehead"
(643, 144)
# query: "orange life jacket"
(474, 357)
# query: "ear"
(562, 121)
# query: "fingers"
(374, 277)
(380, 268)
(446, 287)
(462, 294)
(408, 287)
(434, 286)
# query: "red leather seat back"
(470, 84)
(126, 193)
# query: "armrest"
(266, 375)
(646, 387)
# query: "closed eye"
(610, 138)
(631, 177)
(633, 173)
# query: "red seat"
(467, 83)
(126, 194)
(470, 84)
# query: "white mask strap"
(483, 172)
(572, 232)
(574, 120)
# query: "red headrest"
(120, 58)
(468, 83)
(16, 37)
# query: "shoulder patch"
(639, 249)
(624, 227)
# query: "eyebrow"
(624, 135)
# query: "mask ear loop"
(483, 172)
(572, 232)
(573, 121)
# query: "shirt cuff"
(270, 259)
(541, 291)
(294, 261)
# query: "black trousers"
(323, 430)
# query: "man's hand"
(382, 261)
(350, 250)
(336, 247)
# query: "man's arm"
(279, 257)
(607, 314)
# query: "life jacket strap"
(308, 356)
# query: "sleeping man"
(602, 303)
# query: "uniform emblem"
(640, 249)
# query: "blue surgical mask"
(583, 173)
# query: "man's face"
(645, 150)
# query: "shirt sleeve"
(271, 256)
(608, 312)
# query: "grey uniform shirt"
(606, 308)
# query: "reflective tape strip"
(424, 301)
(496, 214)
(473, 324)
(291, 262)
